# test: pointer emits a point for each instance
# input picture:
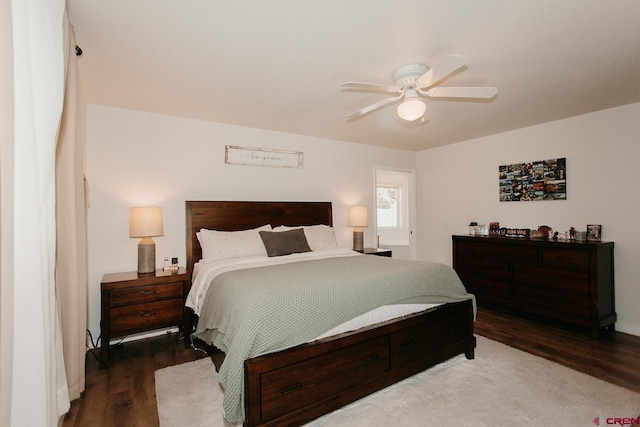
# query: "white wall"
(143, 159)
(459, 183)
(137, 159)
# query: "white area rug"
(502, 386)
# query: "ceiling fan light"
(411, 109)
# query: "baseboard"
(627, 329)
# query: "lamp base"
(358, 241)
(146, 255)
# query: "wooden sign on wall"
(237, 155)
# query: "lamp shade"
(411, 109)
(146, 222)
(358, 216)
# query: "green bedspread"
(262, 310)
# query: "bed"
(299, 383)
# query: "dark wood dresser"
(564, 280)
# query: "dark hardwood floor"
(615, 357)
(124, 394)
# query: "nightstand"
(134, 302)
(378, 251)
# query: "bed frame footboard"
(297, 385)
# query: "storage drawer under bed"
(295, 386)
(408, 346)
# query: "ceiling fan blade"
(441, 70)
(371, 86)
(366, 110)
(462, 92)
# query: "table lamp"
(146, 223)
(358, 218)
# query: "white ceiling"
(278, 64)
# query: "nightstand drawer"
(142, 294)
(146, 316)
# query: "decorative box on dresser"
(133, 302)
(568, 281)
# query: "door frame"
(411, 194)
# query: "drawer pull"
(148, 314)
(291, 389)
(456, 326)
(407, 345)
(147, 292)
(370, 359)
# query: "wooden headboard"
(235, 216)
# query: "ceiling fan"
(413, 81)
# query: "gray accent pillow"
(278, 243)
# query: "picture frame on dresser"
(594, 232)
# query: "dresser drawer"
(490, 290)
(498, 270)
(552, 278)
(553, 304)
(528, 254)
(567, 258)
(147, 315)
(411, 344)
(149, 293)
(295, 386)
(473, 249)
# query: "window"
(389, 206)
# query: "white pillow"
(218, 245)
(319, 236)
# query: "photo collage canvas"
(532, 181)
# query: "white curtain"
(6, 212)
(71, 260)
(38, 391)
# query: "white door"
(394, 216)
